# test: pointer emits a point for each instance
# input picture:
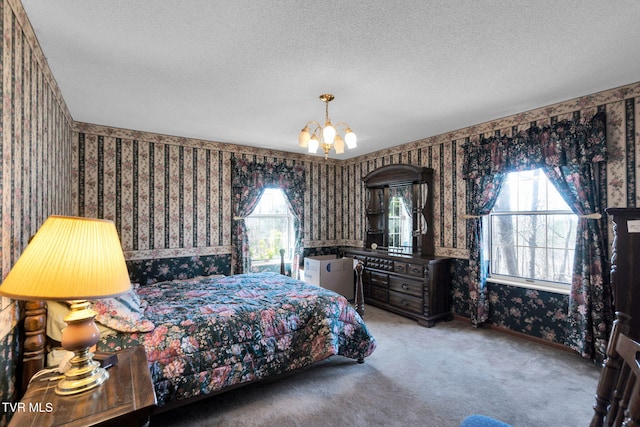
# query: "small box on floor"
(330, 272)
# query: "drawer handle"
(403, 302)
(404, 286)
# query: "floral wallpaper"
(35, 180)
(171, 196)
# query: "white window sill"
(267, 262)
(536, 286)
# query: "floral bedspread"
(214, 333)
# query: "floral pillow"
(123, 313)
(197, 278)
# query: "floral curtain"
(248, 180)
(569, 152)
(482, 192)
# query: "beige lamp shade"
(70, 258)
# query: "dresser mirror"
(400, 230)
(398, 209)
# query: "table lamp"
(72, 259)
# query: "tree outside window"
(270, 228)
(532, 231)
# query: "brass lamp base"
(79, 336)
(84, 374)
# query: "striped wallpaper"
(170, 195)
(444, 154)
(161, 195)
(35, 180)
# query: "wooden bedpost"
(359, 298)
(282, 270)
(35, 321)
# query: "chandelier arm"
(346, 126)
(313, 122)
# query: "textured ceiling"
(250, 72)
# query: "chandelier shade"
(327, 136)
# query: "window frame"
(290, 220)
(520, 281)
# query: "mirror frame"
(395, 175)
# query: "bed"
(207, 335)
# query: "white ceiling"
(250, 72)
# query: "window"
(270, 228)
(532, 232)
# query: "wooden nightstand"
(127, 398)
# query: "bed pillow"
(123, 313)
(197, 278)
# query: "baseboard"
(519, 335)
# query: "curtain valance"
(562, 143)
(248, 173)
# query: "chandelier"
(326, 137)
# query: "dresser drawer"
(416, 270)
(379, 263)
(405, 302)
(400, 267)
(379, 294)
(378, 279)
(407, 286)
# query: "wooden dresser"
(414, 286)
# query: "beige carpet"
(430, 377)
